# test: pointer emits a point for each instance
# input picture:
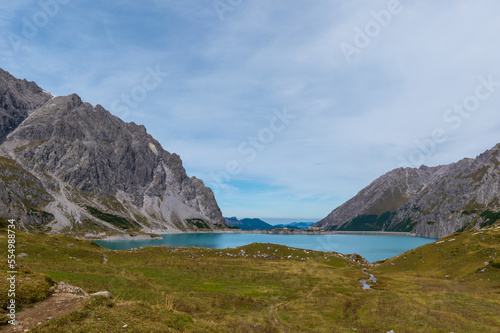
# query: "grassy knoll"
(267, 288)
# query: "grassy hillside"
(265, 287)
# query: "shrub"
(115, 220)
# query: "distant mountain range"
(430, 201)
(295, 225)
(69, 167)
(258, 224)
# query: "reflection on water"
(371, 247)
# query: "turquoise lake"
(371, 247)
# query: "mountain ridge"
(248, 223)
(17, 99)
(430, 201)
(86, 170)
(258, 224)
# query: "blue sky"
(286, 109)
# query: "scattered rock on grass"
(106, 294)
(64, 287)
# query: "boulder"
(106, 294)
(63, 287)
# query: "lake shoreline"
(159, 233)
(315, 232)
(373, 247)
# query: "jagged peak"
(20, 84)
(486, 155)
(7, 76)
(18, 99)
(72, 101)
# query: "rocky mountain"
(248, 224)
(432, 202)
(232, 221)
(67, 166)
(17, 99)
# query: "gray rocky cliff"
(97, 173)
(431, 202)
(17, 99)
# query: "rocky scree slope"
(429, 201)
(67, 166)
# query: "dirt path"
(53, 307)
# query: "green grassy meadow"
(264, 287)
